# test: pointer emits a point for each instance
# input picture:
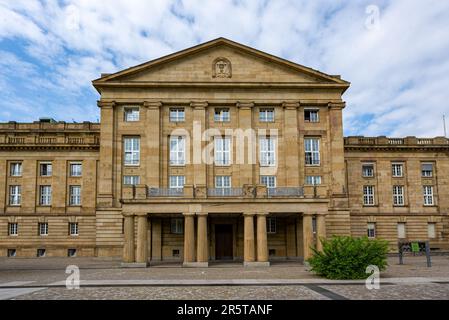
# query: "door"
(223, 242)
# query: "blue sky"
(395, 53)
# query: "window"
(71, 253)
(131, 114)
(131, 180)
(45, 169)
(223, 182)
(368, 170)
(15, 195)
(76, 169)
(271, 225)
(268, 151)
(73, 228)
(427, 169)
(397, 169)
(312, 147)
(266, 115)
(401, 230)
(45, 195)
(132, 151)
(177, 151)
(43, 228)
(177, 226)
(368, 195)
(75, 195)
(431, 230)
(398, 195)
(371, 230)
(269, 181)
(175, 253)
(428, 195)
(41, 253)
(13, 229)
(313, 180)
(177, 114)
(177, 182)
(222, 115)
(15, 169)
(12, 253)
(311, 115)
(222, 151)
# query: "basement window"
(12, 253)
(41, 253)
(272, 252)
(71, 253)
(175, 253)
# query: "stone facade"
(183, 95)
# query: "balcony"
(165, 192)
(224, 192)
(285, 192)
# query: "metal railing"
(165, 192)
(224, 192)
(286, 192)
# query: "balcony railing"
(285, 192)
(165, 192)
(224, 192)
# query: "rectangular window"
(222, 115)
(266, 115)
(268, 151)
(75, 195)
(13, 229)
(132, 151)
(73, 228)
(177, 151)
(368, 170)
(177, 115)
(43, 228)
(368, 195)
(312, 150)
(131, 114)
(223, 182)
(427, 169)
(269, 181)
(76, 169)
(428, 195)
(71, 253)
(131, 180)
(41, 253)
(45, 169)
(222, 151)
(176, 182)
(15, 169)
(177, 226)
(313, 180)
(12, 253)
(371, 230)
(311, 115)
(398, 195)
(45, 195)
(271, 225)
(397, 170)
(401, 230)
(15, 195)
(431, 230)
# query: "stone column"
(320, 230)
(189, 238)
(128, 244)
(262, 242)
(202, 243)
(248, 242)
(151, 145)
(307, 235)
(142, 241)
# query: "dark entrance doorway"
(223, 242)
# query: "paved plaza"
(42, 279)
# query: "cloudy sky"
(395, 53)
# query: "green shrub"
(347, 257)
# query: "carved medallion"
(221, 68)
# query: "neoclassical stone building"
(217, 152)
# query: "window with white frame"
(371, 229)
(75, 195)
(268, 181)
(73, 228)
(397, 170)
(177, 150)
(402, 230)
(177, 182)
(222, 151)
(223, 182)
(427, 169)
(428, 195)
(45, 195)
(46, 169)
(311, 115)
(312, 151)
(76, 169)
(131, 114)
(15, 169)
(271, 225)
(368, 170)
(177, 114)
(43, 228)
(222, 115)
(131, 180)
(177, 226)
(266, 115)
(13, 229)
(398, 195)
(432, 230)
(15, 195)
(267, 151)
(313, 180)
(132, 151)
(368, 195)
